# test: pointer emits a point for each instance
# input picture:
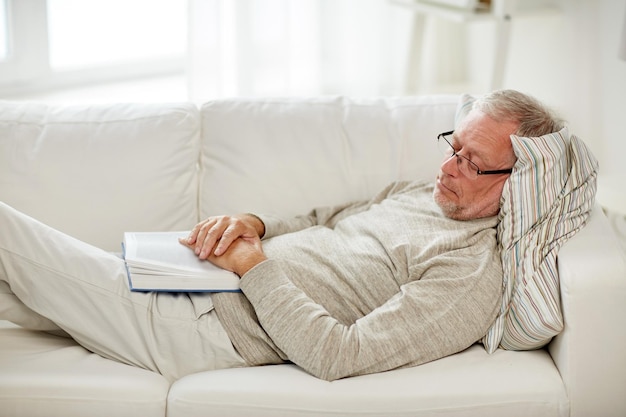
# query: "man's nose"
(450, 165)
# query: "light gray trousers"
(52, 282)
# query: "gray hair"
(533, 117)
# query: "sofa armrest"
(589, 352)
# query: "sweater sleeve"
(326, 216)
(435, 316)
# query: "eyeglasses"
(467, 167)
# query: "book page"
(162, 251)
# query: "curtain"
(297, 47)
(622, 46)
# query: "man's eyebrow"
(455, 140)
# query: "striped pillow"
(545, 201)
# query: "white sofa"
(97, 171)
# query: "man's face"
(486, 143)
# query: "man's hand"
(215, 234)
(230, 242)
(241, 256)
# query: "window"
(92, 33)
(4, 31)
(48, 44)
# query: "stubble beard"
(455, 211)
(449, 208)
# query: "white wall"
(569, 59)
(611, 78)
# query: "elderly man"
(412, 275)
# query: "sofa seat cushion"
(50, 376)
(471, 383)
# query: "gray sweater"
(367, 287)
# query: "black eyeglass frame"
(478, 170)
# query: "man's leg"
(49, 279)
(13, 310)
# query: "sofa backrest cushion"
(286, 156)
(97, 171)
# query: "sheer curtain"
(297, 47)
(622, 46)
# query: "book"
(157, 261)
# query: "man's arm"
(214, 235)
(328, 216)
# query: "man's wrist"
(259, 225)
(250, 262)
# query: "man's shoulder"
(408, 186)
